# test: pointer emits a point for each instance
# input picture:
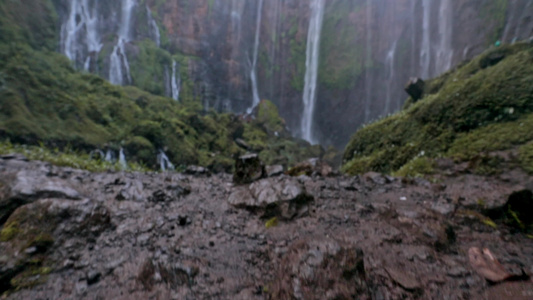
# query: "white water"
(164, 162)
(109, 157)
(253, 74)
(368, 75)
(175, 81)
(425, 54)
(311, 68)
(118, 59)
(82, 23)
(445, 49)
(122, 160)
(152, 23)
(389, 61)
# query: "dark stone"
(415, 88)
(248, 168)
(184, 220)
(275, 170)
(196, 170)
(521, 203)
(93, 277)
(491, 59)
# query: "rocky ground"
(72, 234)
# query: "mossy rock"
(471, 111)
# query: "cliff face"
(218, 52)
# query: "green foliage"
(268, 116)
(147, 69)
(468, 111)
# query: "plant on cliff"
(485, 105)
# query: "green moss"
(148, 67)
(9, 231)
(271, 222)
(417, 167)
(526, 157)
(471, 110)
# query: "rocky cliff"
(226, 53)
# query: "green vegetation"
(45, 100)
(417, 167)
(526, 157)
(475, 109)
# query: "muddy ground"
(72, 234)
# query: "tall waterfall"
(153, 24)
(311, 68)
(425, 54)
(368, 74)
(118, 59)
(122, 160)
(175, 81)
(445, 48)
(164, 162)
(79, 35)
(390, 76)
(253, 74)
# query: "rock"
(241, 143)
(271, 197)
(274, 170)
(509, 290)
(248, 168)
(197, 170)
(159, 196)
(405, 279)
(321, 268)
(415, 88)
(491, 59)
(486, 265)
(28, 186)
(375, 177)
(93, 277)
(313, 166)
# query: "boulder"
(415, 88)
(274, 170)
(248, 168)
(284, 198)
(312, 166)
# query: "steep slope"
(483, 106)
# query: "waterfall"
(122, 160)
(253, 74)
(118, 59)
(368, 75)
(164, 162)
(152, 23)
(81, 23)
(311, 68)
(176, 81)
(425, 54)
(390, 75)
(109, 156)
(445, 49)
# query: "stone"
(415, 88)
(197, 170)
(486, 265)
(405, 279)
(248, 168)
(274, 170)
(491, 59)
(270, 197)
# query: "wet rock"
(486, 265)
(27, 186)
(272, 197)
(405, 279)
(248, 168)
(321, 268)
(197, 170)
(275, 170)
(415, 88)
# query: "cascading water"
(152, 23)
(164, 162)
(175, 81)
(109, 156)
(368, 75)
(253, 75)
(425, 54)
(122, 160)
(445, 49)
(390, 76)
(118, 59)
(79, 35)
(311, 68)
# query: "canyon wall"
(227, 54)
